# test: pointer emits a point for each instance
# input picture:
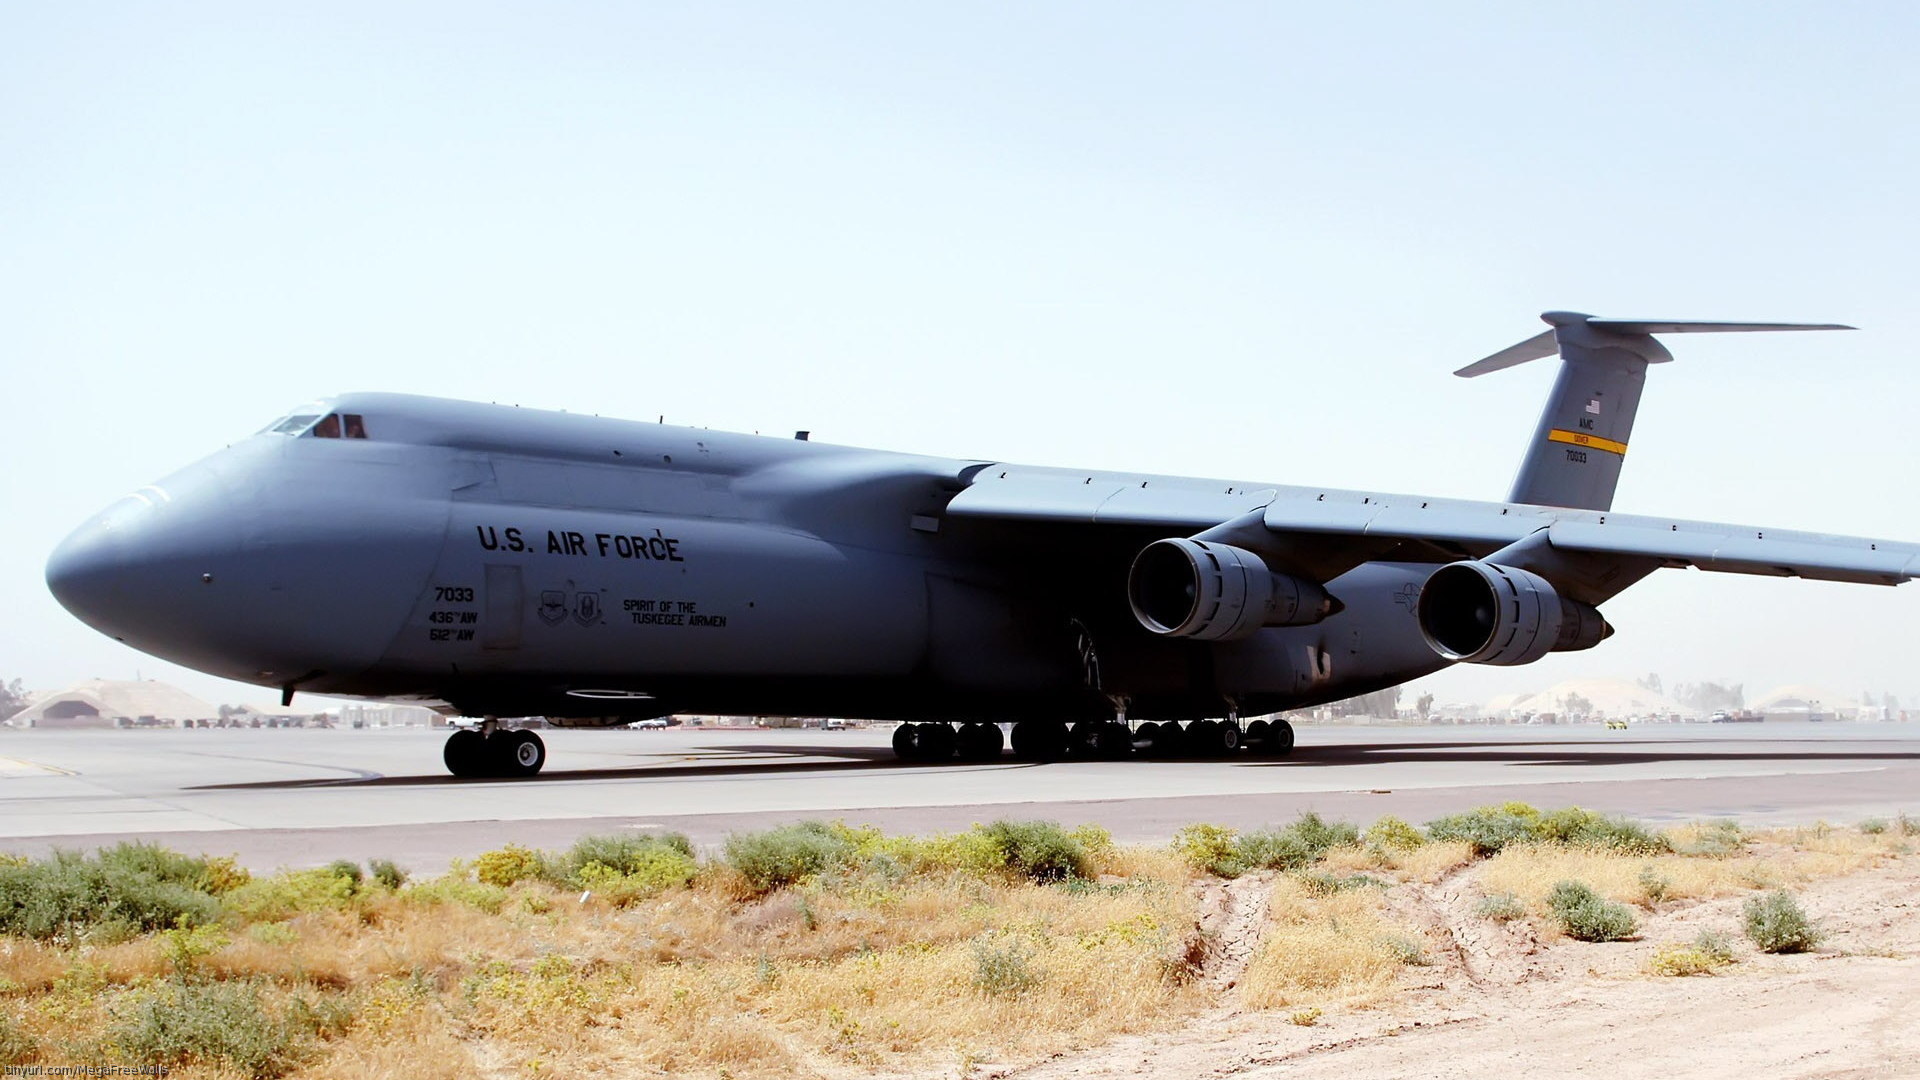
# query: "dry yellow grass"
(1322, 950)
(860, 970)
(1429, 863)
(29, 966)
(1531, 871)
(1768, 860)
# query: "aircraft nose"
(136, 571)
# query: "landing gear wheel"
(465, 752)
(1100, 740)
(936, 742)
(1039, 740)
(1279, 741)
(1080, 738)
(522, 753)
(979, 742)
(1143, 738)
(1199, 738)
(924, 742)
(1227, 740)
(1167, 740)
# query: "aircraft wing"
(1322, 523)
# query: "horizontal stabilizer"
(1545, 344)
(1654, 326)
(1534, 348)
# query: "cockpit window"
(314, 423)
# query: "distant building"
(110, 703)
(377, 716)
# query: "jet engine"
(1485, 613)
(1217, 592)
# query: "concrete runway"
(299, 798)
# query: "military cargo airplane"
(500, 563)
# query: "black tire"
(903, 742)
(1279, 741)
(463, 752)
(1200, 738)
(1081, 739)
(1039, 740)
(936, 742)
(1227, 738)
(979, 742)
(1113, 741)
(522, 753)
(1169, 740)
(1144, 736)
(1256, 739)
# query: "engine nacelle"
(1217, 592)
(1484, 613)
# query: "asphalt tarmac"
(300, 798)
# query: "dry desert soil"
(1504, 1000)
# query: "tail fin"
(1575, 456)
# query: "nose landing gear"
(493, 751)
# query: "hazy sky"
(1242, 240)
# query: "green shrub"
(1718, 840)
(625, 854)
(1003, 970)
(348, 871)
(510, 865)
(1775, 923)
(788, 853)
(1490, 829)
(457, 888)
(1574, 827)
(386, 873)
(185, 946)
(1322, 836)
(1585, 916)
(1393, 834)
(1908, 826)
(650, 873)
(290, 892)
(1272, 849)
(216, 1023)
(1096, 841)
(1874, 826)
(1222, 851)
(1039, 850)
(1500, 907)
(1210, 848)
(1708, 953)
(1487, 829)
(125, 889)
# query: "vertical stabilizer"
(1575, 457)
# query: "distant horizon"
(1410, 692)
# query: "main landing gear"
(1093, 740)
(493, 751)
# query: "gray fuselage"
(513, 562)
